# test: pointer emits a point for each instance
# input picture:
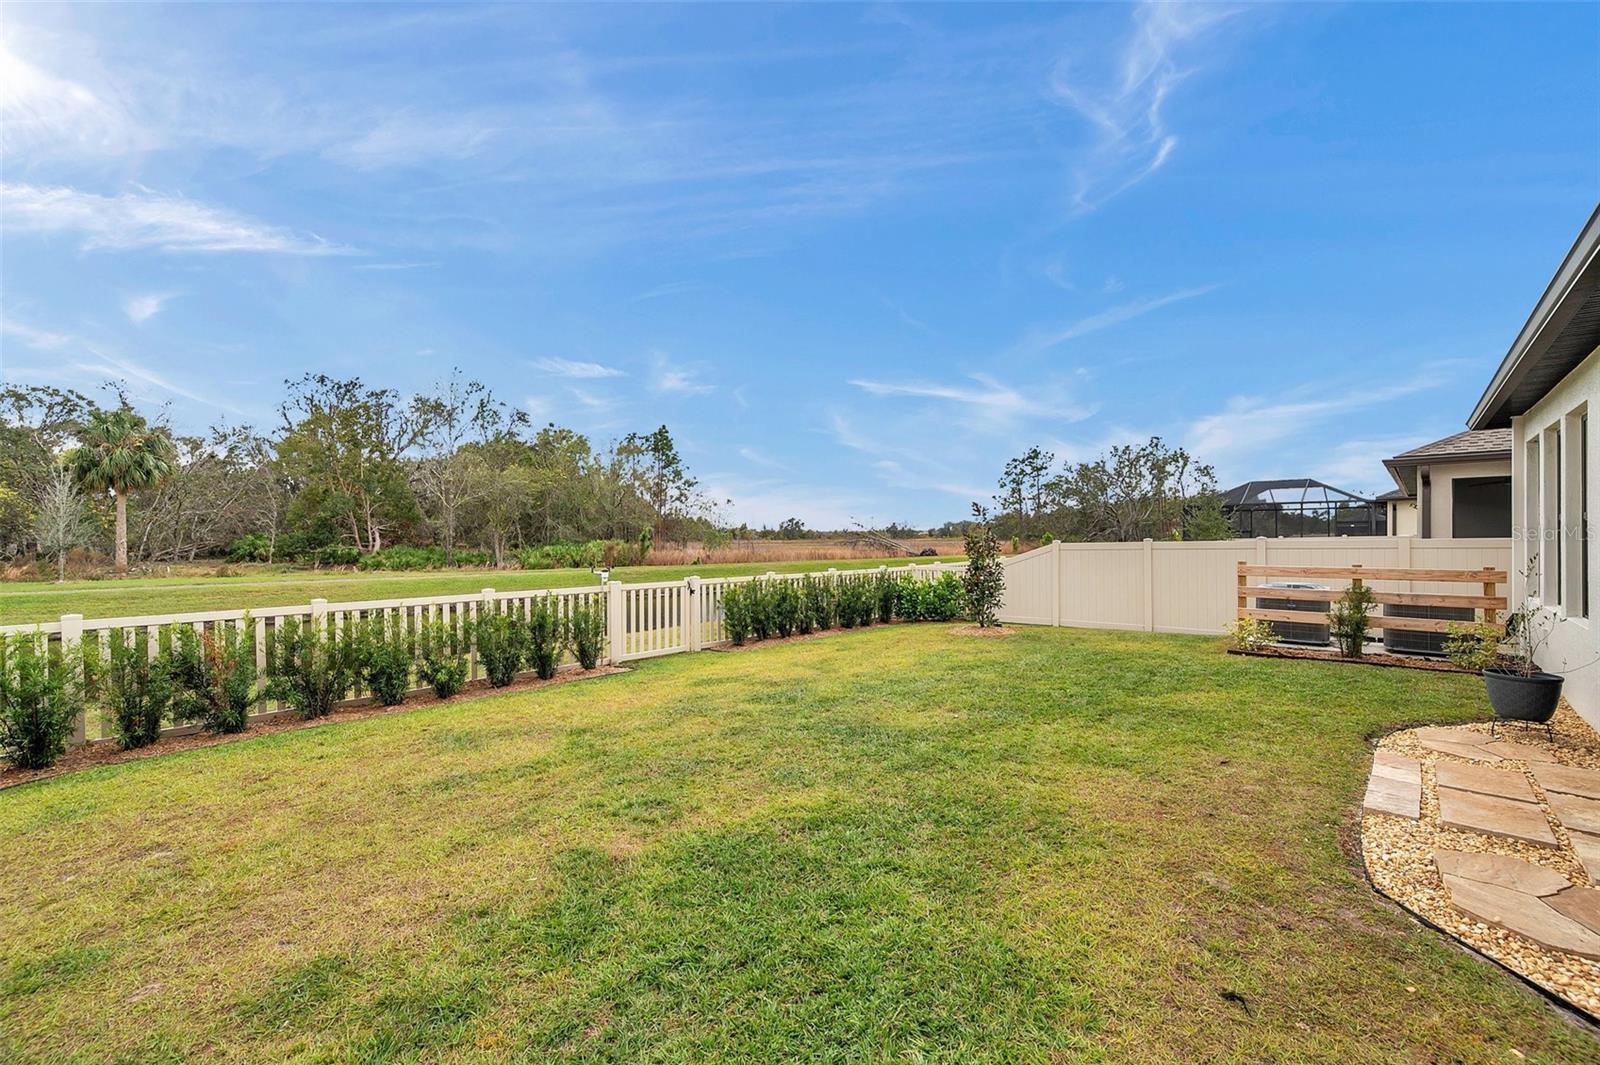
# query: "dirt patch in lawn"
(1391, 661)
(93, 755)
(992, 632)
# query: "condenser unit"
(1306, 632)
(1431, 644)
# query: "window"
(1583, 508)
(1532, 515)
(1575, 534)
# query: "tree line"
(1132, 492)
(349, 468)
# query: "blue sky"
(855, 257)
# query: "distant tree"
(984, 579)
(38, 424)
(448, 474)
(661, 474)
(792, 529)
(344, 447)
(119, 452)
(1023, 487)
(1134, 492)
(61, 519)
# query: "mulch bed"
(93, 755)
(1431, 665)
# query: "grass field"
(25, 601)
(895, 843)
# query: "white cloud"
(38, 339)
(144, 219)
(1125, 105)
(40, 110)
(990, 402)
(757, 457)
(571, 368)
(905, 467)
(406, 137)
(143, 308)
(1049, 337)
(678, 380)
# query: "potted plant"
(1518, 689)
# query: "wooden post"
(1489, 612)
(1244, 598)
(71, 648)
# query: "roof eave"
(1537, 332)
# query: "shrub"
(578, 555)
(440, 661)
(1252, 634)
(885, 588)
(858, 602)
(309, 667)
(804, 620)
(138, 689)
(586, 629)
(985, 579)
(821, 601)
(251, 547)
(760, 599)
(736, 612)
(502, 640)
(546, 637)
(39, 700)
(943, 599)
(334, 555)
(383, 657)
(214, 676)
(1347, 621)
(1475, 647)
(783, 601)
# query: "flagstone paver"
(1500, 869)
(1523, 751)
(1470, 812)
(1395, 787)
(1569, 780)
(1507, 783)
(1587, 848)
(1525, 914)
(1576, 812)
(1581, 904)
(1459, 749)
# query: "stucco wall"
(1403, 518)
(1441, 497)
(1573, 648)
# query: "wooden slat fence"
(1487, 606)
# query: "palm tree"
(119, 452)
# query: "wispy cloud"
(399, 265)
(144, 219)
(1253, 425)
(143, 308)
(558, 367)
(37, 339)
(40, 110)
(1049, 337)
(408, 137)
(678, 380)
(671, 288)
(989, 401)
(757, 457)
(900, 466)
(1125, 105)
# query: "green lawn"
(895, 843)
(25, 601)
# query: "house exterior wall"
(1441, 497)
(1403, 518)
(1548, 528)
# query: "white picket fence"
(642, 621)
(1192, 586)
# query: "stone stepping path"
(1468, 811)
(1395, 786)
(1524, 898)
(1464, 776)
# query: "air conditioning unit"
(1306, 632)
(1428, 644)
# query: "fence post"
(1489, 588)
(1055, 581)
(1244, 595)
(71, 645)
(692, 616)
(319, 611)
(1261, 550)
(616, 623)
(1149, 585)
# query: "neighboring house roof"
(1287, 492)
(1560, 333)
(1473, 445)
(1393, 496)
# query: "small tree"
(61, 521)
(119, 452)
(1348, 619)
(985, 580)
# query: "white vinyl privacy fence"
(1192, 587)
(642, 621)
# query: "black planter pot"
(1519, 698)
